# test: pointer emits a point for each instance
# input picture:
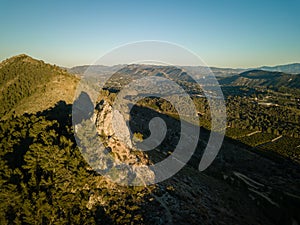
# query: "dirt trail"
(268, 142)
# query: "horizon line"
(111, 65)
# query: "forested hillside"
(43, 177)
(30, 85)
(45, 180)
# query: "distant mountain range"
(255, 78)
(218, 72)
(289, 68)
(94, 69)
(286, 76)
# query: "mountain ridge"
(269, 79)
(293, 68)
(25, 81)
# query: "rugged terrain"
(46, 177)
(243, 186)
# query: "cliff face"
(131, 165)
(111, 123)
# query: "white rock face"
(103, 120)
(121, 129)
(123, 162)
(111, 123)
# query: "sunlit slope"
(30, 85)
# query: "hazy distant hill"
(94, 69)
(223, 72)
(289, 68)
(194, 70)
(30, 85)
(256, 78)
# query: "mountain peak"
(48, 85)
(20, 57)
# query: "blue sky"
(223, 33)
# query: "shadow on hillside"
(61, 112)
(276, 197)
(278, 175)
(28, 178)
(280, 178)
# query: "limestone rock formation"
(127, 165)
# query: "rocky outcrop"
(123, 162)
